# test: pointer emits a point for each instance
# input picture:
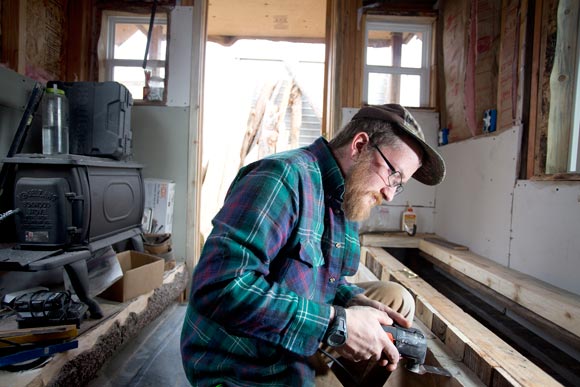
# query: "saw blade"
(427, 369)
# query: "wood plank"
(438, 354)
(544, 324)
(562, 85)
(554, 304)
(392, 239)
(445, 243)
(485, 354)
(534, 91)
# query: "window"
(397, 61)
(126, 45)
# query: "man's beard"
(358, 199)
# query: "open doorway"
(263, 87)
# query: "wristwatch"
(336, 333)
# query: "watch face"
(336, 339)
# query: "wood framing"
(493, 361)
(343, 77)
(553, 304)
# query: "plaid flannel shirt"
(269, 271)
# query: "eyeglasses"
(395, 179)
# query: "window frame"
(112, 19)
(534, 144)
(401, 24)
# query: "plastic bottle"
(409, 220)
(54, 122)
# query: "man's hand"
(366, 338)
(362, 300)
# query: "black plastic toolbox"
(100, 118)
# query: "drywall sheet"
(474, 202)
(161, 143)
(546, 232)
(388, 218)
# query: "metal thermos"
(55, 122)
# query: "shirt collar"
(332, 178)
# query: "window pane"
(410, 90)
(398, 49)
(379, 49)
(132, 77)
(380, 89)
(412, 50)
(394, 88)
(131, 39)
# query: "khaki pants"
(389, 293)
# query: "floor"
(150, 359)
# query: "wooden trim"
(490, 358)
(557, 177)
(534, 90)
(194, 174)
(13, 37)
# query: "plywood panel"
(546, 223)
(302, 19)
(44, 39)
(474, 202)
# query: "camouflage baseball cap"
(432, 170)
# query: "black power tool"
(412, 345)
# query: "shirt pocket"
(300, 270)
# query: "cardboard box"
(141, 274)
(159, 202)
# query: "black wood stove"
(69, 206)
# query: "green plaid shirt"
(269, 271)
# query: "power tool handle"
(392, 332)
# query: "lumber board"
(552, 303)
(392, 239)
(544, 324)
(489, 357)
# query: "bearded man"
(269, 289)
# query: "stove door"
(46, 213)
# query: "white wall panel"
(546, 232)
(474, 202)
(179, 62)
